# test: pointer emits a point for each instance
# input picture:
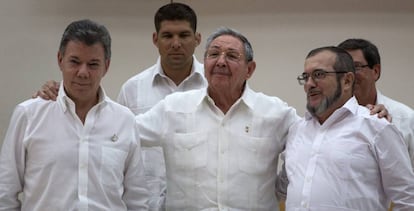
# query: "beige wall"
(281, 34)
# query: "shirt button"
(303, 204)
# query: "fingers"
(380, 110)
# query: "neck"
(177, 74)
(365, 98)
(224, 100)
(83, 107)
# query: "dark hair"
(369, 50)
(87, 32)
(175, 11)
(248, 50)
(343, 60)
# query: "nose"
(83, 71)
(176, 43)
(221, 59)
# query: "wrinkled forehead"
(227, 43)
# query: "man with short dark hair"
(367, 63)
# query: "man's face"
(322, 94)
(176, 42)
(225, 65)
(365, 76)
(82, 68)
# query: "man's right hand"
(49, 91)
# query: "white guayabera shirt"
(353, 161)
(217, 161)
(58, 163)
(142, 92)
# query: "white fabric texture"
(353, 161)
(140, 93)
(402, 118)
(217, 161)
(59, 163)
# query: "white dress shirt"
(403, 118)
(217, 161)
(142, 92)
(353, 161)
(58, 163)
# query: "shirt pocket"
(353, 163)
(256, 156)
(112, 166)
(190, 150)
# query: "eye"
(234, 56)
(213, 54)
(319, 74)
(73, 61)
(166, 35)
(185, 35)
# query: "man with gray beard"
(338, 157)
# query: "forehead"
(227, 42)
(175, 26)
(357, 55)
(83, 51)
(322, 60)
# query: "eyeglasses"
(359, 67)
(233, 56)
(315, 75)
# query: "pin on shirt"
(114, 138)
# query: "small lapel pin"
(114, 138)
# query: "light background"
(281, 31)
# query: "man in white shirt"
(79, 152)
(221, 143)
(338, 157)
(367, 63)
(176, 70)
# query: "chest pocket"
(190, 150)
(256, 155)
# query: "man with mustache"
(339, 157)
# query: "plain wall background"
(282, 32)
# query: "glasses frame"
(360, 67)
(226, 57)
(302, 79)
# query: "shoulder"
(268, 105)
(185, 101)
(118, 109)
(143, 76)
(395, 108)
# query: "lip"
(81, 84)
(220, 72)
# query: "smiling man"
(221, 143)
(339, 157)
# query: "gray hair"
(248, 50)
(87, 32)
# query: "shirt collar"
(197, 70)
(64, 100)
(247, 97)
(350, 106)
